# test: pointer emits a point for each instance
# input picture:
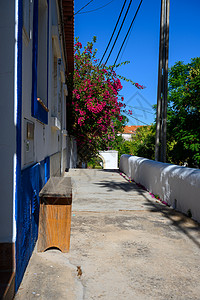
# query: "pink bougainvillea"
(96, 105)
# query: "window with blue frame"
(27, 19)
(40, 61)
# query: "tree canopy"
(142, 143)
(183, 123)
(184, 113)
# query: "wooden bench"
(55, 214)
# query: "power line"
(119, 31)
(128, 31)
(113, 31)
(147, 111)
(85, 12)
(124, 47)
(136, 119)
(83, 7)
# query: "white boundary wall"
(110, 159)
(176, 185)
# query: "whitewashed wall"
(176, 185)
(48, 140)
(110, 159)
(7, 120)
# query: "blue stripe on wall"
(32, 180)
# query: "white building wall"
(127, 136)
(48, 140)
(7, 120)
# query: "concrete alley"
(125, 243)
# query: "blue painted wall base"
(32, 180)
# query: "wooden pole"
(165, 83)
(159, 102)
(161, 116)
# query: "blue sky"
(142, 48)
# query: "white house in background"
(129, 132)
(37, 38)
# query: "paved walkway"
(127, 245)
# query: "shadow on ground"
(179, 220)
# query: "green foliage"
(95, 163)
(183, 124)
(124, 147)
(142, 143)
(184, 113)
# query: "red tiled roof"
(131, 129)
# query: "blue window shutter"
(35, 52)
(37, 110)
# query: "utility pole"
(161, 119)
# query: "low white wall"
(110, 159)
(176, 185)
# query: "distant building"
(37, 48)
(129, 131)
